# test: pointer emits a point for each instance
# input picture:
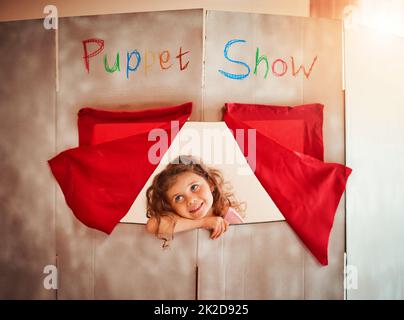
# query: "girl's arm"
(217, 225)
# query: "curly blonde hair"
(157, 202)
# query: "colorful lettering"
(307, 74)
(128, 57)
(163, 60)
(148, 65)
(284, 68)
(116, 64)
(226, 55)
(147, 60)
(87, 55)
(258, 60)
(180, 59)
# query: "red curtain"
(306, 190)
(100, 182)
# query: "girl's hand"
(217, 225)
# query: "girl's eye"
(194, 187)
(178, 198)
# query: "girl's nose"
(192, 201)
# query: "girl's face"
(190, 196)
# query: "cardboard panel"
(123, 265)
(304, 66)
(131, 264)
(276, 37)
(322, 38)
(27, 140)
(149, 75)
(251, 262)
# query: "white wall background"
(375, 150)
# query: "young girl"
(188, 195)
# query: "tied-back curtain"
(101, 181)
(306, 190)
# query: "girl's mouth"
(196, 209)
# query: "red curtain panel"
(101, 181)
(305, 189)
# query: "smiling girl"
(188, 195)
